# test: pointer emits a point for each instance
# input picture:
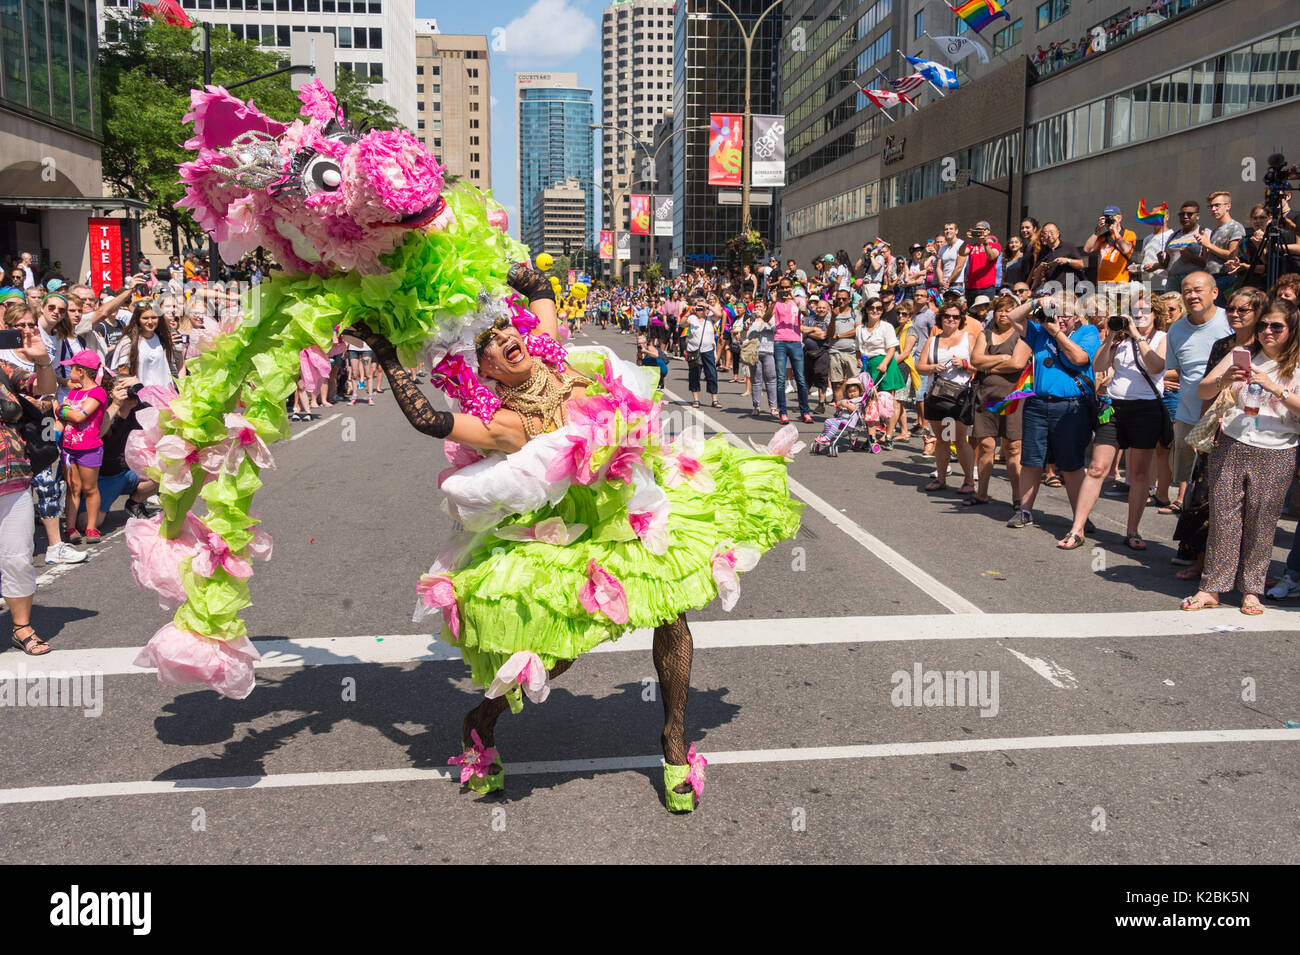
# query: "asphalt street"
(1112, 728)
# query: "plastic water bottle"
(1253, 395)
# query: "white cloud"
(494, 100)
(550, 30)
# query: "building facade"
(1166, 106)
(51, 132)
(709, 77)
(373, 38)
(553, 117)
(560, 214)
(636, 53)
(453, 103)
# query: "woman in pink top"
(784, 314)
(83, 448)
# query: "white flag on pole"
(957, 48)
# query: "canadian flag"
(886, 98)
(169, 11)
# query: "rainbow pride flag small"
(980, 13)
(1024, 389)
(1158, 215)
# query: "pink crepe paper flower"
(695, 777)
(318, 102)
(182, 656)
(729, 560)
(142, 444)
(156, 396)
(459, 456)
(437, 591)
(175, 456)
(627, 399)
(477, 760)
(604, 594)
(214, 552)
(785, 443)
(499, 219)
(622, 464)
(156, 560)
(572, 463)
(227, 455)
(648, 512)
(524, 669)
(315, 367)
(552, 530)
(682, 463)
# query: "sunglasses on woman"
(1275, 328)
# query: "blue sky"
(523, 36)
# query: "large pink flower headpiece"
(324, 196)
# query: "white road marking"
(148, 787)
(318, 424)
(936, 589)
(737, 634)
(1049, 670)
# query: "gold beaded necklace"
(542, 397)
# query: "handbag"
(1203, 433)
(749, 352)
(36, 424)
(947, 399)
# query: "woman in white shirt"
(1253, 459)
(947, 357)
(146, 349)
(1139, 422)
(765, 367)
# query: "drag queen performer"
(577, 518)
(578, 539)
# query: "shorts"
(1136, 424)
(113, 487)
(1058, 431)
(1008, 427)
(50, 489)
(1180, 462)
(358, 353)
(89, 458)
(843, 366)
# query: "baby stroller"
(853, 427)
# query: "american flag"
(907, 83)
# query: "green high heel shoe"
(674, 776)
(474, 764)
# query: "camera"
(1110, 221)
(1044, 314)
(133, 391)
(1277, 179)
(1117, 323)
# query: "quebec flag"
(938, 74)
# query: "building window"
(376, 38)
(376, 6)
(282, 36)
(436, 124)
(473, 140)
(419, 123)
(437, 142)
(473, 107)
(359, 38)
(473, 124)
(473, 173)
(419, 71)
(1052, 11)
(473, 91)
(345, 38)
(420, 108)
(419, 87)
(435, 71)
(437, 107)
(918, 25)
(1007, 37)
(376, 71)
(435, 88)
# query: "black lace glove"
(423, 416)
(529, 282)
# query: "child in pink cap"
(83, 448)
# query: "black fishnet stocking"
(673, 649)
(484, 716)
(422, 415)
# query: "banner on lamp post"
(768, 160)
(111, 253)
(664, 215)
(726, 145)
(640, 215)
(625, 246)
(606, 244)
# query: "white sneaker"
(790, 388)
(64, 553)
(1288, 586)
(152, 501)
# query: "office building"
(373, 38)
(453, 103)
(636, 90)
(1165, 106)
(560, 214)
(51, 132)
(553, 117)
(709, 77)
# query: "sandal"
(1173, 507)
(715, 403)
(1196, 602)
(1154, 501)
(476, 762)
(695, 404)
(1054, 481)
(33, 645)
(935, 486)
(1071, 541)
(1252, 609)
(973, 501)
(1135, 542)
(966, 488)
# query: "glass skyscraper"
(49, 54)
(555, 144)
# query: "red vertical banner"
(606, 244)
(573, 276)
(726, 149)
(640, 215)
(108, 266)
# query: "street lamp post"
(748, 37)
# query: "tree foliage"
(145, 82)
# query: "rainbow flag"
(1154, 216)
(1024, 389)
(980, 13)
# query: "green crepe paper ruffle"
(523, 595)
(435, 278)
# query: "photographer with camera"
(983, 252)
(1251, 260)
(1059, 418)
(1114, 246)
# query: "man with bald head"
(1190, 340)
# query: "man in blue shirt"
(1058, 420)
(641, 314)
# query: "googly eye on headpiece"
(313, 171)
